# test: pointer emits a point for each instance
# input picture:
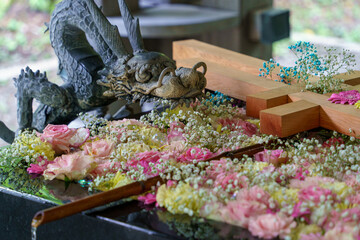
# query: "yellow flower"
(152, 137)
(180, 199)
(176, 110)
(256, 122)
(302, 228)
(259, 166)
(118, 180)
(28, 144)
(357, 104)
(340, 188)
(313, 170)
(288, 196)
(128, 150)
(343, 206)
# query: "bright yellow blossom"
(357, 104)
(288, 196)
(180, 199)
(118, 180)
(340, 188)
(28, 144)
(302, 228)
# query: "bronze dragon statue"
(97, 69)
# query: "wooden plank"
(206, 52)
(231, 81)
(289, 119)
(350, 79)
(271, 98)
(336, 117)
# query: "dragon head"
(143, 74)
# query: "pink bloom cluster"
(254, 210)
(274, 157)
(39, 167)
(237, 124)
(144, 160)
(195, 153)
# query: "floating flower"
(274, 157)
(148, 199)
(58, 136)
(104, 167)
(100, 149)
(195, 153)
(237, 124)
(39, 167)
(269, 226)
(145, 162)
(80, 136)
(119, 180)
(73, 166)
(351, 97)
(30, 145)
(180, 199)
(315, 194)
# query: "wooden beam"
(350, 79)
(333, 116)
(268, 99)
(289, 119)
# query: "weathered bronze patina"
(97, 69)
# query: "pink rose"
(309, 182)
(255, 193)
(99, 149)
(271, 225)
(240, 212)
(343, 231)
(218, 167)
(249, 204)
(226, 179)
(74, 166)
(80, 136)
(105, 166)
(58, 136)
(195, 153)
(274, 157)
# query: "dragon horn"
(200, 64)
(132, 28)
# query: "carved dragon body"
(97, 69)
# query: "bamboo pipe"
(136, 188)
(58, 212)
